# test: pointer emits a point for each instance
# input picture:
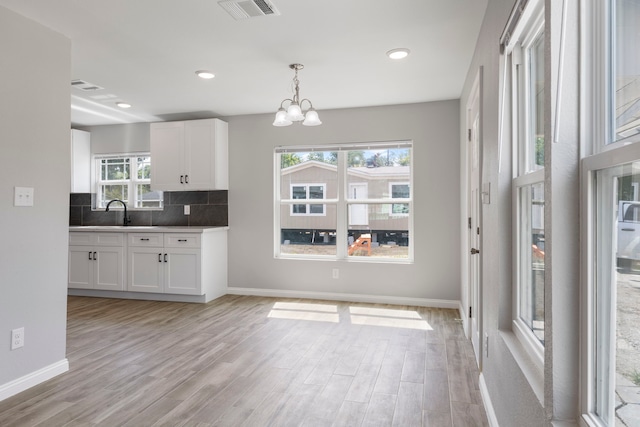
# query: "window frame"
(602, 151)
(342, 201)
(517, 81)
(132, 183)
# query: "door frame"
(474, 163)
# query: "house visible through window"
(366, 195)
(127, 178)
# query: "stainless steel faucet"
(126, 219)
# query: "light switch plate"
(486, 193)
(23, 196)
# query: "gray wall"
(433, 127)
(521, 394)
(513, 398)
(35, 152)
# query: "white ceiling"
(146, 52)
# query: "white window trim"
(515, 75)
(342, 202)
(131, 183)
(589, 276)
(308, 201)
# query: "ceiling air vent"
(86, 86)
(243, 9)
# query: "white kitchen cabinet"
(164, 263)
(187, 264)
(80, 161)
(96, 261)
(190, 155)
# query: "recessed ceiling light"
(204, 74)
(123, 105)
(398, 53)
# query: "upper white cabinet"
(190, 155)
(80, 161)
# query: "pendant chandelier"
(294, 112)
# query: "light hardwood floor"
(252, 361)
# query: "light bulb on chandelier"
(294, 112)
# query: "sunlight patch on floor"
(371, 316)
(305, 311)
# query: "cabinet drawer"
(174, 240)
(96, 239)
(80, 238)
(145, 239)
(109, 239)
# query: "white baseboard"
(34, 378)
(333, 296)
(486, 400)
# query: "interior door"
(358, 214)
(474, 201)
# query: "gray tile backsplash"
(208, 208)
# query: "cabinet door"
(199, 154)
(146, 269)
(81, 267)
(167, 155)
(183, 272)
(108, 269)
(80, 161)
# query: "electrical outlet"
(17, 338)
(187, 209)
(336, 273)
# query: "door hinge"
(469, 223)
(469, 312)
(478, 231)
(469, 134)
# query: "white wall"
(125, 138)
(35, 152)
(435, 275)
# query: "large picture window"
(366, 195)
(127, 178)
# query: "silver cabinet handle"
(159, 257)
(182, 240)
(90, 256)
(186, 179)
(181, 179)
(95, 256)
(165, 257)
(145, 240)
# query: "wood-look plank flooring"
(253, 361)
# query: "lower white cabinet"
(164, 263)
(96, 261)
(158, 263)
